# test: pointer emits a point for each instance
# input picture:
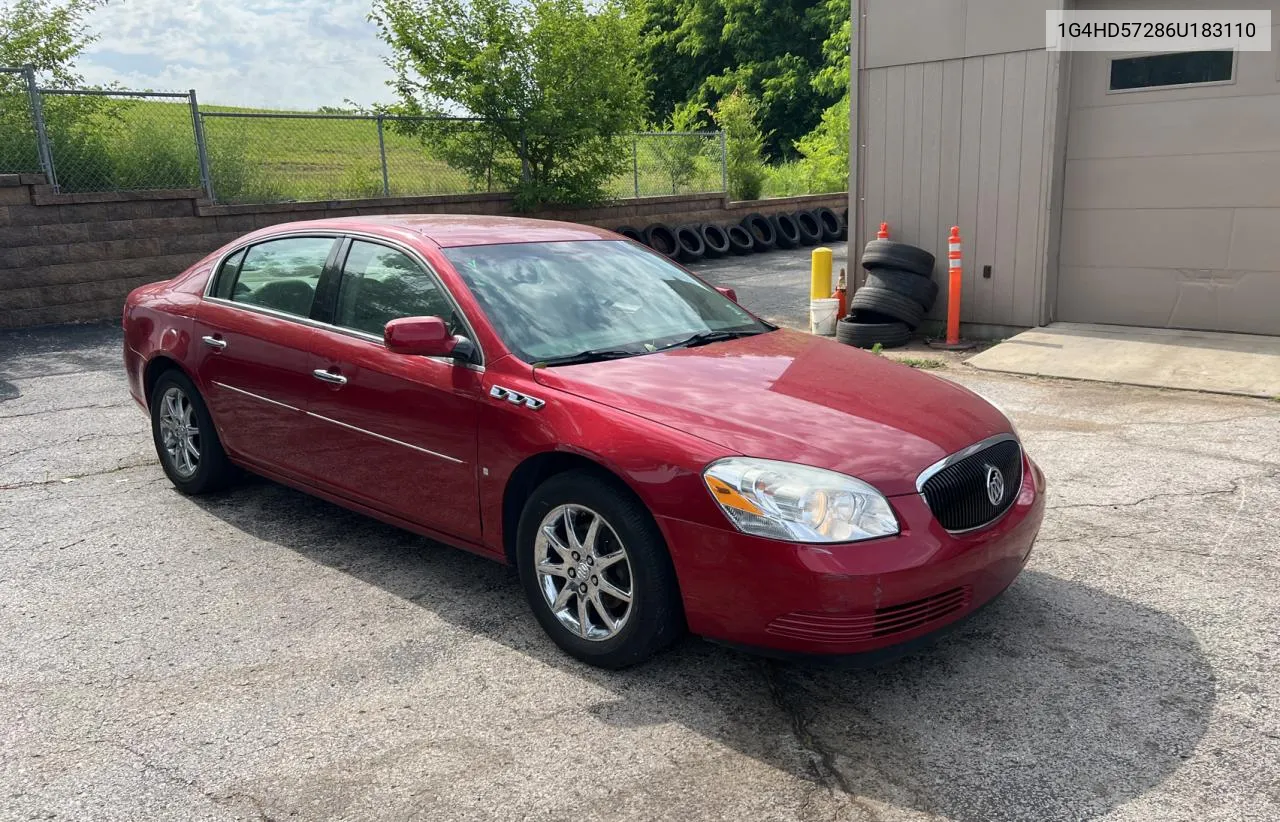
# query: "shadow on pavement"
(1058, 701)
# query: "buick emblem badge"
(995, 484)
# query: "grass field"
(102, 144)
(119, 144)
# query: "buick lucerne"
(651, 456)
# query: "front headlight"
(798, 503)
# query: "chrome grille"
(956, 489)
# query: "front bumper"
(851, 598)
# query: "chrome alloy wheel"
(179, 432)
(583, 572)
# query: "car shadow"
(1059, 701)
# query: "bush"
(786, 180)
(737, 114)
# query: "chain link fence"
(121, 140)
(271, 156)
(114, 140)
(674, 162)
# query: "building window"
(1162, 70)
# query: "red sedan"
(651, 456)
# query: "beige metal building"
(1089, 187)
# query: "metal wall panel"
(963, 142)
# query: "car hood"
(790, 396)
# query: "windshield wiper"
(590, 355)
(705, 337)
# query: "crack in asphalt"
(821, 759)
(61, 480)
(62, 410)
(55, 444)
(172, 776)
(1234, 488)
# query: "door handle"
(214, 342)
(329, 377)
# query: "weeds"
(923, 362)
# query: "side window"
(380, 284)
(282, 274)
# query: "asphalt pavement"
(775, 285)
(260, 654)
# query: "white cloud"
(296, 54)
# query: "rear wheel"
(596, 572)
(186, 441)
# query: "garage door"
(1171, 199)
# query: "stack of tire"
(898, 292)
(753, 234)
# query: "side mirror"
(423, 336)
(728, 292)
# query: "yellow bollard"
(820, 274)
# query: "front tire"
(596, 571)
(186, 441)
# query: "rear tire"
(830, 222)
(649, 622)
(689, 244)
(714, 239)
(186, 441)
(921, 289)
(763, 234)
(867, 335)
(661, 239)
(740, 241)
(889, 303)
(810, 227)
(787, 231)
(888, 254)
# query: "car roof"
(451, 230)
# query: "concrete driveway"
(263, 655)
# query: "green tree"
(47, 34)
(678, 155)
(825, 150)
(556, 82)
(702, 50)
(737, 115)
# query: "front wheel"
(596, 571)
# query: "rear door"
(255, 334)
(400, 431)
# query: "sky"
(291, 54)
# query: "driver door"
(400, 432)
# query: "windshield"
(561, 300)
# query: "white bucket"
(822, 316)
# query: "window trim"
(334, 269)
(1235, 72)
